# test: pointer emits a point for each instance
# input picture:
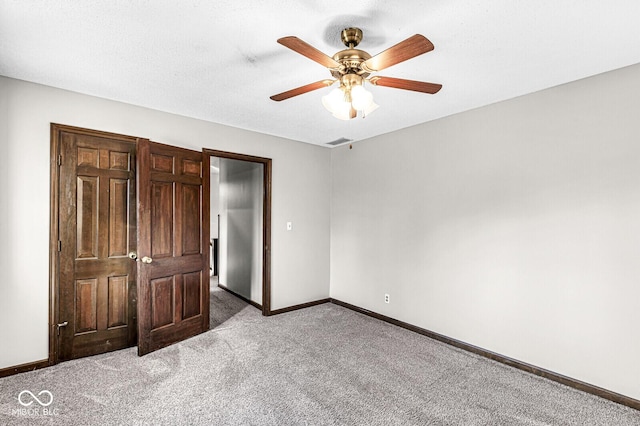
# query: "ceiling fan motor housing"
(351, 58)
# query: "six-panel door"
(97, 229)
(173, 284)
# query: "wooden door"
(97, 229)
(173, 245)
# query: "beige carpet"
(324, 365)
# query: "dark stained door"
(97, 231)
(173, 248)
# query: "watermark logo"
(44, 402)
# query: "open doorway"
(240, 215)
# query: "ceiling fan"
(353, 67)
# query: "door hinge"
(59, 159)
(59, 245)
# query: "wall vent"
(339, 141)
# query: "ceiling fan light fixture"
(344, 101)
(351, 67)
(361, 98)
(372, 107)
(335, 101)
(342, 116)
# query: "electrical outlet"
(386, 298)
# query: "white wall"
(4, 173)
(301, 189)
(514, 227)
(241, 218)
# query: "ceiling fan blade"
(302, 89)
(305, 49)
(399, 83)
(407, 49)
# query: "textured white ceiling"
(219, 60)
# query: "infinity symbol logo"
(26, 404)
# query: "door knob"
(147, 259)
(133, 255)
(62, 324)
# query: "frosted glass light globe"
(334, 100)
(361, 98)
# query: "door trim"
(266, 218)
(54, 224)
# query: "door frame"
(266, 217)
(54, 224)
